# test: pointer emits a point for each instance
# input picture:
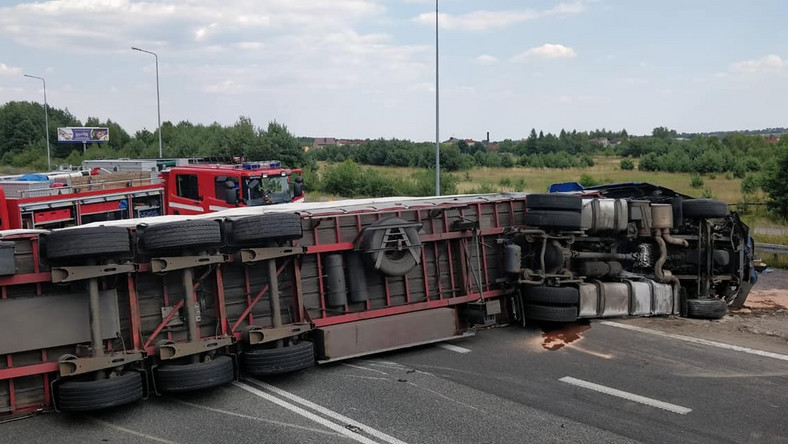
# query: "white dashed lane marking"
(626, 395)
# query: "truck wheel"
(554, 201)
(391, 262)
(84, 396)
(276, 361)
(706, 308)
(561, 220)
(181, 234)
(94, 242)
(550, 295)
(559, 313)
(254, 230)
(704, 208)
(187, 377)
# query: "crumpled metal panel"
(640, 302)
(662, 302)
(589, 300)
(615, 299)
(600, 215)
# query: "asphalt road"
(602, 383)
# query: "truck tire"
(704, 208)
(277, 361)
(94, 242)
(543, 294)
(202, 375)
(392, 262)
(182, 234)
(561, 220)
(706, 308)
(255, 230)
(554, 201)
(551, 313)
(85, 396)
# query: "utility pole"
(46, 118)
(158, 101)
(437, 112)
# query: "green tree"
(775, 185)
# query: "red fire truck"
(126, 188)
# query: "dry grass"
(606, 170)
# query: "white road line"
(255, 418)
(626, 395)
(132, 432)
(454, 348)
(739, 348)
(298, 410)
(330, 413)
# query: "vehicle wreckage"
(107, 313)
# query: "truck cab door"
(184, 195)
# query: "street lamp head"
(135, 48)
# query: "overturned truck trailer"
(97, 316)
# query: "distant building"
(604, 141)
(321, 142)
(771, 138)
(350, 142)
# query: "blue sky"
(365, 68)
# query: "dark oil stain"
(557, 337)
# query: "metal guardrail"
(771, 248)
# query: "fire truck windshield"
(266, 190)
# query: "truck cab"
(198, 189)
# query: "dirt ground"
(761, 324)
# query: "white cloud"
(769, 63)
(309, 44)
(6, 70)
(485, 59)
(486, 20)
(204, 32)
(546, 51)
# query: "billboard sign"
(82, 135)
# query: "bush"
(505, 182)
(696, 181)
(707, 193)
(750, 184)
(520, 185)
(627, 164)
(587, 180)
(484, 188)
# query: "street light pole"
(158, 101)
(437, 113)
(46, 117)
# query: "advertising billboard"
(82, 135)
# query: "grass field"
(606, 170)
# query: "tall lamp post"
(437, 113)
(158, 101)
(46, 116)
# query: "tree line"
(22, 144)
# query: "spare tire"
(706, 308)
(93, 242)
(550, 313)
(543, 294)
(559, 220)
(704, 208)
(390, 261)
(257, 230)
(554, 201)
(182, 234)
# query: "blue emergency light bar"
(261, 165)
